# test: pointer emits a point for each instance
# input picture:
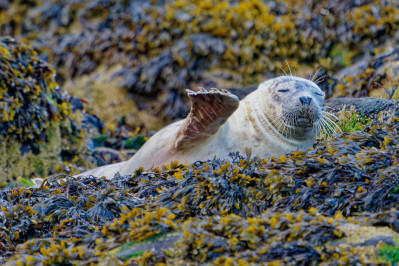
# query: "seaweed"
(167, 46)
(293, 209)
(246, 210)
(30, 97)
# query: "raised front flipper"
(209, 110)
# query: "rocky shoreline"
(86, 83)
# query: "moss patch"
(351, 121)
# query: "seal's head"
(295, 107)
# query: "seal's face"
(295, 107)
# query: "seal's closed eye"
(282, 90)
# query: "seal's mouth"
(304, 122)
(300, 122)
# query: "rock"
(366, 107)
(374, 76)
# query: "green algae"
(135, 143)
(389, 254)
(340, 55)
(352, 121)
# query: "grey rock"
(375, 240)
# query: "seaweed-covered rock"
(284, 237)
(163, 47)
(371, 76)
(300, 208)
(137, 57)
(34, 113)
(42, 129)
(30, 97)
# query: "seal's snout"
(305, 100)
(305, 114)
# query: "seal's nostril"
(305, 100)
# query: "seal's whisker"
(318, 128)
(285, 125)
(326, 109)
(332, 115)
(274, 119)
(320, 79)
(279, 126)
(312, 118)
(288, 67)
(288, 124)
(325, 124)
(295, 118)
(281, 122)
(329, 128)
(291, 124)
(327, 118)
(333, 123)
(324, 128)
(277, 122)
(321, 130)
(284, 71)
(315, 74)
(315, 127)
(289, 119)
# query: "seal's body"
(283, 115)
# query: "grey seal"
(281, 116)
